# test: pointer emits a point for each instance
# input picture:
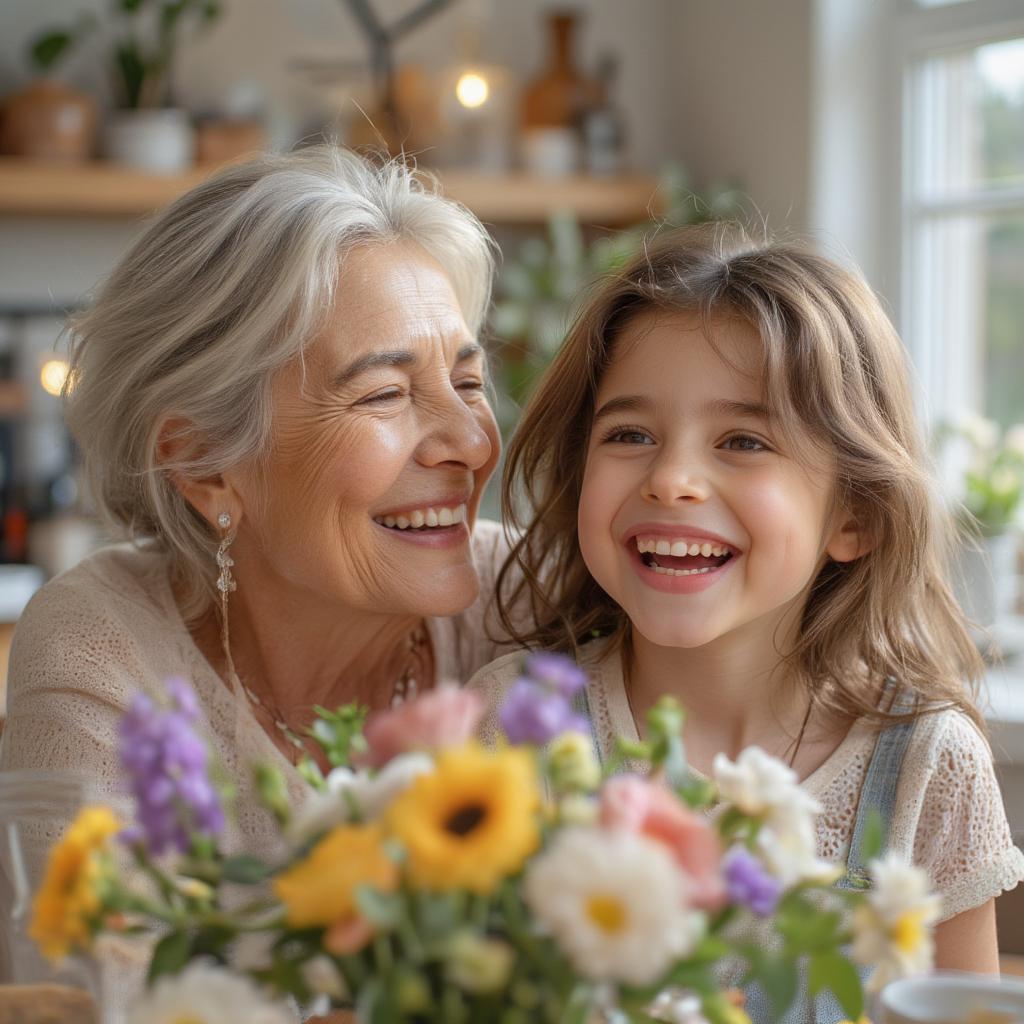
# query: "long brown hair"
(831, 362)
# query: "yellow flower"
(320, 890)
(68, 903)
(470, 822)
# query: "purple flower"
(532, 713)
(749, 883)
(555, 672)
(165, 762)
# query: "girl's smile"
(676, 558)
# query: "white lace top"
(108, 628)
(949, 816)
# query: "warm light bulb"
(472, 89)
(53, 375)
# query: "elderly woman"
(280, 398)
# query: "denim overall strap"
(877, 795)
(581, 705)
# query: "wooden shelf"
(30, 188)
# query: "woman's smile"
(438, 524)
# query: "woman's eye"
(381, 396)
(744, 443)
(629, 436)
(471, 384)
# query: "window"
(963, 209)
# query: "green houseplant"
(990, 494)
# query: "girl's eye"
(628, 435)
(744, 443)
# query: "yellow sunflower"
(320, 890)
(68, 902)
(470, 822)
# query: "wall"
(741, 84)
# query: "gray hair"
(226, 287)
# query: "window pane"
(1003, 322)
(969, 123)
(968, 314)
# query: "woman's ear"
(849, 540)
(177, 442)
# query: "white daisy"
(763, 787)
(789, 849)
(355, 794)
(204, 994)
(893, 927)
(615, 902)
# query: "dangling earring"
(225, 584)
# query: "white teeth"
(680, 548)
(680, 572)
(425, 517)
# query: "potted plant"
(144, 130)
(991, 489)
(47, 119)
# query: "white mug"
(953, 997)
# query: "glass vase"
(33, 804)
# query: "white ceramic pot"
(986, 578)
(951, 997)
(161, 141)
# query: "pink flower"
(445, 717)
(634, 804)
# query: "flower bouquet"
(429, 879)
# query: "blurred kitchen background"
(891, 132)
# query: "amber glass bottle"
(554, 103)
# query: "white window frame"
(947, 376)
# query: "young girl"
(727, 439)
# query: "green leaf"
(710, 949)
(834, 972)
(874, 836)
(382, 909)
(211, 941)
(778, 977)
(245, 870)
(49, 48)
(818, 930)
(170, 955)
(691, 975)
(133, 72)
